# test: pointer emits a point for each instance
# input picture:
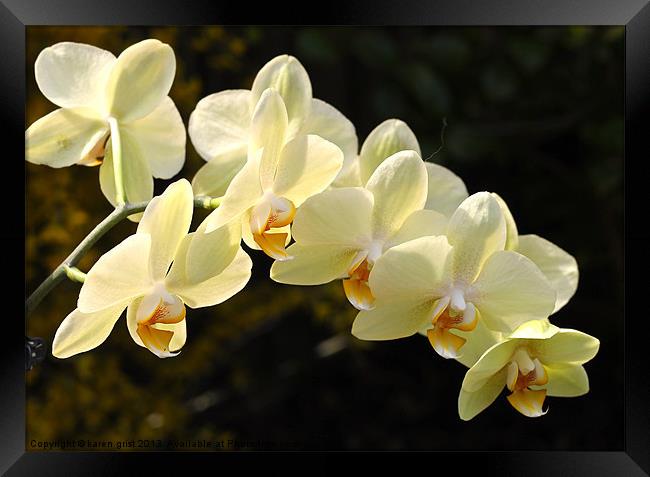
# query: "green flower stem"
(118, 172)
(67, 267)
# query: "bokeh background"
(535, 114)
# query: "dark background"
(535, 114)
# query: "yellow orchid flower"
(220, 127)
(446, 190)
(136, 274)
(278, 176)
(559, 267)
(437, 284)
(342, 232)
(535, 361)
(102, 97)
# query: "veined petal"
(390, 320)
(389, 137)
(81, 332)
(399, 187)
(220, 123)
(268, 133)
(167, 220)
(242, 193)
(214, 290)
(120, 274)
(62, 138)
(138, 182)
(490, 363)
(335, 217)
(446, 190)
(327, 122)
(214, 177)
(73, 75)
(559, 268)
(511, 290)
(209, 253)
(512, 234)
(289, 78)
(350, 176)
(140, 80)
(160, 331)
(313, 264)
(476, 230)
(420, 223)
(307, 165)
(566, 346)
(566, 380)
(470, 404)
(160, 136)
(415, 270)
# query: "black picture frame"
(633, 459)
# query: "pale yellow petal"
(161, 138)
(209, 253)
(511, 290)
(446, 190)
(336, 217)
(140, 80)
(399, 187)
(268, 133)
(392, 320)
(421, 223)
(476, 230)
(214, 177)
(489, 364)
(512, 234)
(313, 264)
(219, 125)
(81, 332)
(62, 138)
(567, 346)
(327, 122)
(478, 342)
(73, 75)
(307, 166)
(289, 78)
(389, 137)
(559, 267)
(470, 404)
(415, 270)
(566, 380)
(120, 274)
(214, 290)
(167, 220)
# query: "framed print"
(401, 230)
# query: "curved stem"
(67, 267)
(116, 143)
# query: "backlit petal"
(313, 264)
(167, 220)
(392, 320)
(307, 165)
(566, 381)
(471, 404)
(289, 78)
(414, 270)
(567, 346)
(214, 177)
(512, 234)
(399, 187)
(511, 290)
(479, 340)
(389, 137)
(81, 332)
(476, 230)
(335, 217)
(446, 190)
(210, 253)
(120, 274)
(140, 80)
(62, 138)
(161, 137)
(560, 268)
(421, 223)
(73, 75)
(268, 132)
(490, 363)
(219, 125)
